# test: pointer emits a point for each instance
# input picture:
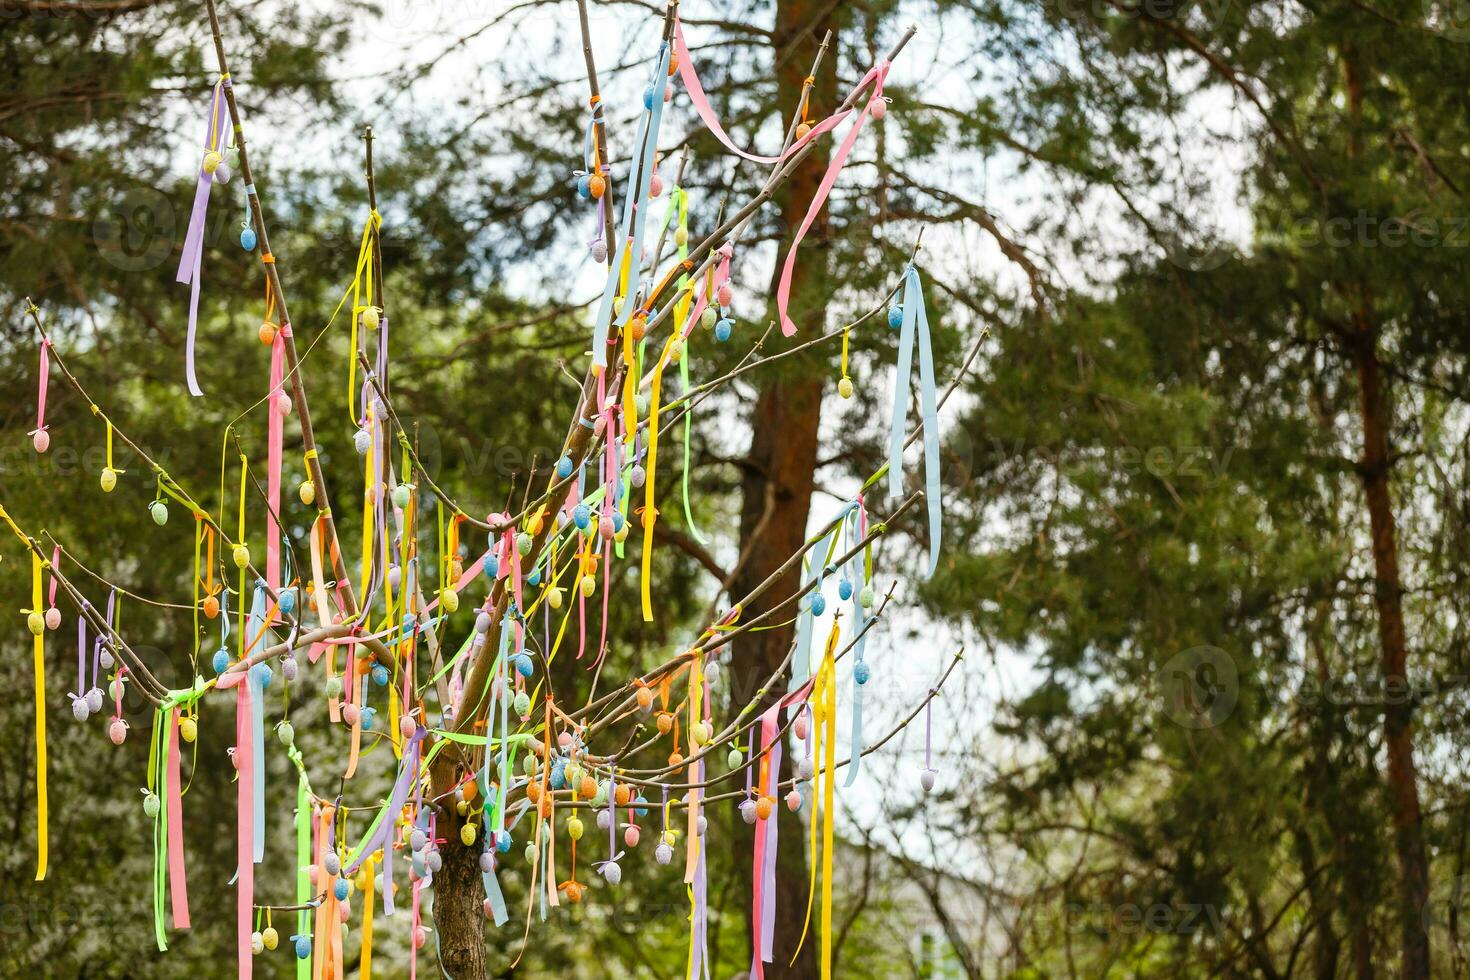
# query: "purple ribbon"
(192, 257)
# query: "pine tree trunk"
(1398, 727)
(780, 468)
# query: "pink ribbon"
(45, 377)
(701, 104)
(876, 75)
(178, 883)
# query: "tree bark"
(459, 915)
(782, 463)
(1398, 723)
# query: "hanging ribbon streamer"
(916, 327)
(275, 415)
(192, 258)
(363, 308)
(40, 436)
(858, 574)
(635, 213)
(35, 620)
(783, 289)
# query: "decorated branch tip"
(438, 636)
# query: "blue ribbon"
(916, 324)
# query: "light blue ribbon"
(916, 323)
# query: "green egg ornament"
(844, 387)
(402, 494)
(241, 555)
(159, 512)
(109, 479)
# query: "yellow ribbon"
(38, 649)
(824, 748)
(362, 289)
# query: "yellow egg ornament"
(588, 585)
(554, 597)
(241, 554)
(450, 600)
(844, 387)
(109, 479)
(574, 827)
(467, 834)
(371, 317)
(270, 938)
(188, 729)
(212, 160)
(36, 623)
(307, 492)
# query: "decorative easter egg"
(334, 688)
(701, 732)
(286, 733)
(420, 937)
(94, 701)
(303, 947)
(158, 510)
(597, 185)
(341, 889)
(222, 173)
(247, 239)
(467, 834)
(725, 294)
(878, 106)
(564, 467)
(522, 704)
(818, 604)
(800, 726)
(707, 317)
(262, 674)
(637, 476)
(116, 688)
(241, 555)
(267, 333)
(723, 329)
(599, 251)
(487, 861)
(803, 130)
(589, 787)
(109, 479)
(41, 440)
(36, 623)
(581, 516)
(362, 441)
(895, 315)
(79, 708)
(210, 607)
(663, 854)
(351, 713)
(612, 872)
(257, 943)
(865, 597)
(483, 622)
(307, 492)
(793, 800)
(584, 186)
(117, 731)
(369, 715)
(270, 938)
(380, 675)
(747, 811)
(622, 794)
(554, 597)
(655, 185)
(212, 160)
(575, 827)
(861, 672)
(524, 666)
(926, 779)
(735, 759)
(665, 722)
(703, 824)
(402, 494)
(188, 729)
(644, 697)
(681, 237)
(763, 808)
(524, 543)
(371, 318)
(332, 862)
(676, 350)
(573, 891)
(220, 661)
(631, 835)
(588, 585)
(287, 598)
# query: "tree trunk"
(781, 464)
(459, 915)
(1398, 727)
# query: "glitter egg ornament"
(270, 938)
(522, 704)
(708, 317)
(247, 239)
(41, 440)
(665, 722)
(631, 835)
(844, 590)
(109, 479)
(554, 597)
(581, 516)
(241, 555)
(723, 329)
(622, 795)
(79, 708)
(747, 811)
(805, 768)
(220, 662)
(158, 510)
(597, 185)
(434, 860)
(334, 687)
(257, 943)
(467, 834)
(307, 492)
(638, 476)
(861, 672)
(188, 729)
(267, 333)
(584, 186)
(286, 733)
(524, 666)
(879, 107)
(332, 863)
(402, 494)
(763, 808)
(116, 688)
(681, 237)
(36, 623)
(341, 889)
(371, 318)
(655, 185)
(735, 760)
(818, 604)
(926, 779)
(212, 160)
(420, 937)
(612, 872)
(524, 543)
(895, 316)
(793, 800)
(487, 862)
(701, 732)
(362, 441)
(303, 947)
(644, 697)
(703, 824)
(117, 731)
(599, 251)
(865, 597)
(725, 294)
(844, 388)
(351, 713)
(800, 725)
(380, 675)
(564, 467)
(575, 827)
(406, 726)
(210, 607)
(94, 705)
(663, 854)
(589, 787)
(588, 585)
(289, 668)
